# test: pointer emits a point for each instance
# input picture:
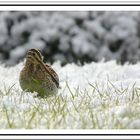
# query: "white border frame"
(70, 8)
(85, 131)
(69, 2)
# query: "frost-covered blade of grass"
(96, 95)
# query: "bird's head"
(34, 56)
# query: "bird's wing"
(54, 74)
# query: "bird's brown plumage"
(38, 76)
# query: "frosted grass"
(94, 96)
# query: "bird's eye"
(33, 54)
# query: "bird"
(36, 76)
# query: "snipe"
(38, 76)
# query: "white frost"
(104, 93)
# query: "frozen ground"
(96, 95)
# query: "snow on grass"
(96, 95)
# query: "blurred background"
(68, 36)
